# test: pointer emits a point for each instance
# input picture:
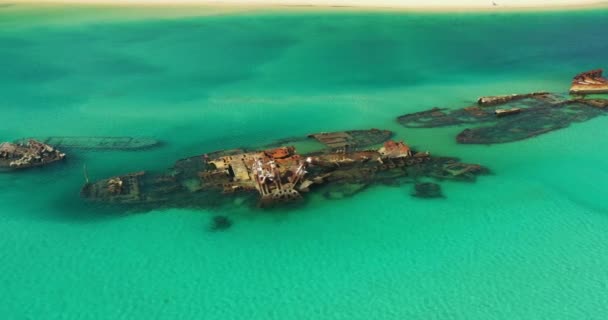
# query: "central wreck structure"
(275, 174)
(279, 175)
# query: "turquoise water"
(527, 242)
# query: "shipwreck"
(27, 155)
(279, 175)
(508, 118)
(98, 143)
(590, 82)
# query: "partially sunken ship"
(27, 155)
(98, 143)
(280, 174)
(500, 119)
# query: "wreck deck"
(352, 139)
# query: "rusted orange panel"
(280, 153)
(589, 82)
(391, 146)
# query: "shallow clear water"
(527, 242)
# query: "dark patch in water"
(220, 223)
(427, 190)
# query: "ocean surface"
(529, 241)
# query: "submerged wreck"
(27, 155)
(339, 140)
(279, 175)
(500, 119)
(589, 82)
(99, 143)
(352, 139)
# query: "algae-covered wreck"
(507, 118)
(276, 175)
(98, 143)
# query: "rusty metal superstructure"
(589, 82)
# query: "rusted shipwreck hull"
(589, 82)
(27, 155)
(509, 118)
(276, 175)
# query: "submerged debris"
(589, 82)
(480, 113)
(427, 190)
(532, 120)
(100, 143)
(220, 223)
(343, 190)
(28, 154)
(277, 175)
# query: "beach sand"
(416, 5)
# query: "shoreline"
(342, 5)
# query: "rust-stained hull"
(589, 82)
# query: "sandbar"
(402, 5)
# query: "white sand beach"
(431, 5)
